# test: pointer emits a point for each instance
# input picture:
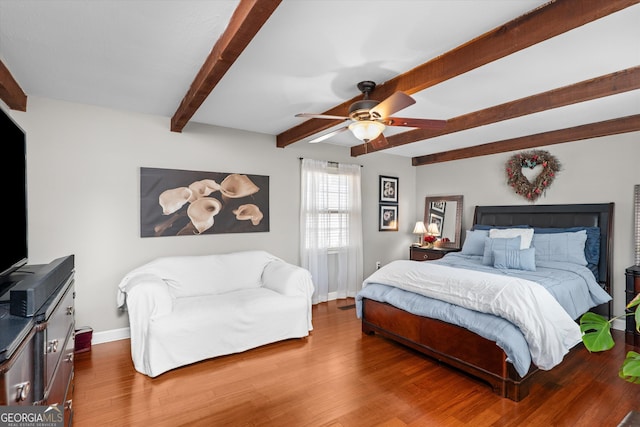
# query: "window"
(331, 228)
(328, 223)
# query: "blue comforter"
(573, 286)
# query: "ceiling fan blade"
(321, 116)
(415, 123)
(392, 104)
(379, 142)
(329, 135)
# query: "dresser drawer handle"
(53, 346)
(23, 390)
(69, 310)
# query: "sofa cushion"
(189, 276)
(214, 325)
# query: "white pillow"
(526, 234)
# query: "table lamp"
(421, 230)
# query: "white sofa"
(185, 309)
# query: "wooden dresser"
(632, 337)
(420, 253)
(37, 325)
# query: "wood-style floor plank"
(339, 377)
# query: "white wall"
(599, 170)
(83, 183)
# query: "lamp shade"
(419, 228)
(366, 130)
(433, 229)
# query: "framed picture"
(388, 189)
(388, 218)
(175, 202)
(437, 220)
(438, 206)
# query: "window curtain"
(331, 227)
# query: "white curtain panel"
(331, 226)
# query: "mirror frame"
(456, 244)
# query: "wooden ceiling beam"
(599, 87)
(540, 24)
(247, 19)
(10, 91)
(577, 133)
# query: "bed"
(432, 325)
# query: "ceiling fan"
(370, 117)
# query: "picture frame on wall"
(176, 202)
(388, 218)
(388, 189)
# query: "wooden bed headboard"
(576, 215)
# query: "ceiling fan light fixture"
(366, 130)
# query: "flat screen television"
(13, 179)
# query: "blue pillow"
(523, 259)
(563, 247)
(474, 242)
(498, 244)
(591, 247)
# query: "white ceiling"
(142, 56)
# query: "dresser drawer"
(634, 286)
(417, 253)
(425, 255)
(57, 332)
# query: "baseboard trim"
(125, 333)
(111, 335)
(619, 324)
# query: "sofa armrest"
(287, 279)
(147, 297)
(290, 280)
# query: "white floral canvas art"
(177, 202)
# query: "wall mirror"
(443, 218)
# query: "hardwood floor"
(339, 377)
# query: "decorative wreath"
(530, 159)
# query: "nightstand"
(419, 253)
(632, 337)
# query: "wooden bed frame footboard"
(467, 351)
(447, 343)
